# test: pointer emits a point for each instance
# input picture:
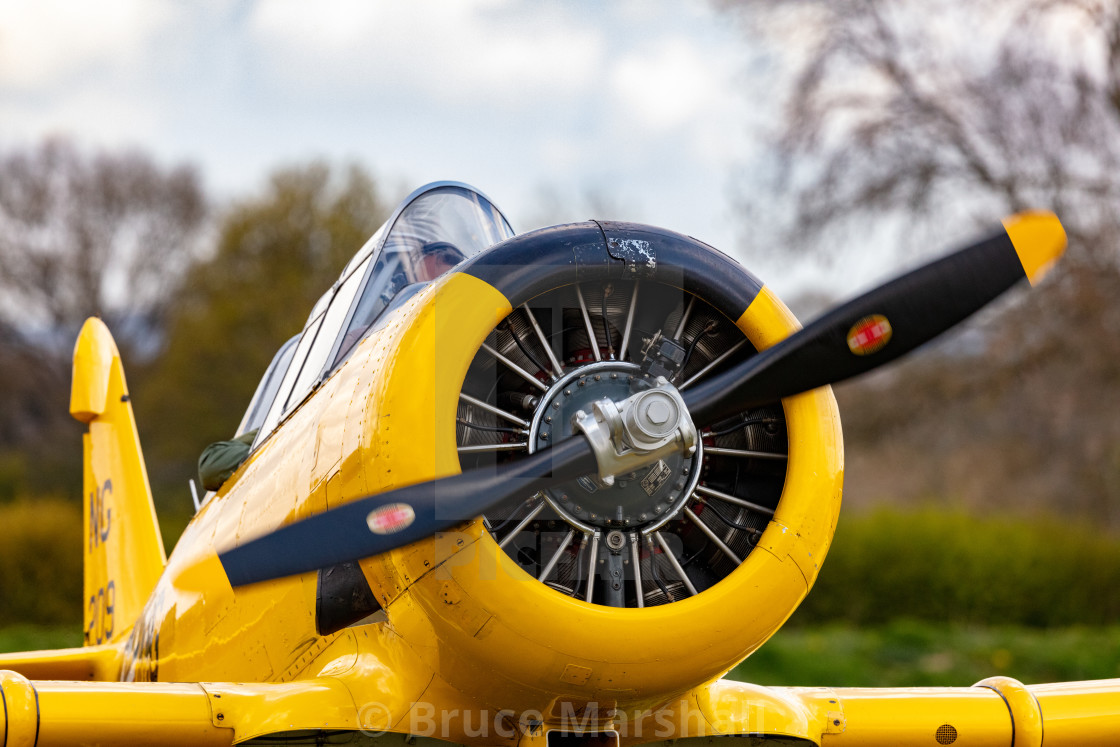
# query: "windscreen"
(432, 234)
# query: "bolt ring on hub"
(642, 500)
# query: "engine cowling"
(632, 593)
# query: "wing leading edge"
(996, 711)
(43, 713)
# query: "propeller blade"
(887, 322)
(858, 336)
(380, 523)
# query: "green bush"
(948, 566)
(41, 562)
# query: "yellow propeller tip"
(1039, 240)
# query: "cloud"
(635, 100)
(673, 87)
(487, 52)
(666, 84)
(43, 41)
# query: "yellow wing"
(46, 713)
(996, 711)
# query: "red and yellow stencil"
(869, 335)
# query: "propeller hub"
(643, 497)
(652, 418)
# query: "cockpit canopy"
(433, 230)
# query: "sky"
(652, 106)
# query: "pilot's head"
(436, 258)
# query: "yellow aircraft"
(540, 489)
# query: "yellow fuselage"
(466, 628)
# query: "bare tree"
(945, 110)
(82, 234)
(939, 117)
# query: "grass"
(915, 654)
(39, 637)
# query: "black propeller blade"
(379, 523)
(858, 336)
(887, 322)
